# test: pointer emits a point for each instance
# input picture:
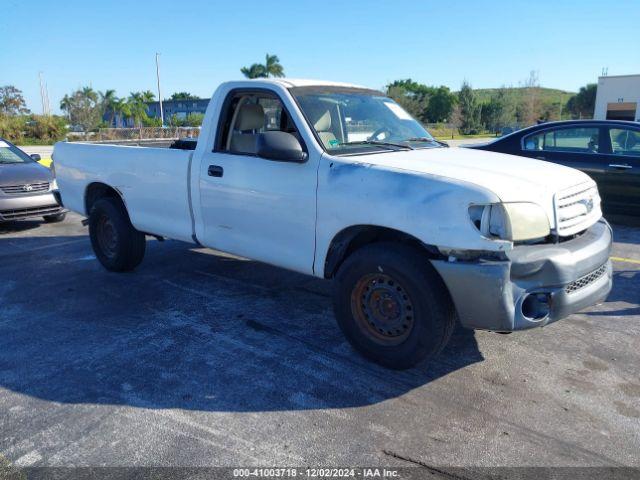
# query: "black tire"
(118, 246)
(392, 305)
(57, 218)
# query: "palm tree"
(109, 100)
(65, 104)
(121, 108)
(137, 107)
(271, 68)
(89, 94)
(148, 96)
(254, 71)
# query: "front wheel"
(117, 244)
(392, 306)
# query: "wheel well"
(95, 192)
(352, 238)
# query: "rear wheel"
(59, 217)
(117, 244)
(392, 305)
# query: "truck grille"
(577, 209)
(20, 213)
(588, 279)
(26, 189)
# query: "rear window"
(625, 141)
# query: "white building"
(618, 98)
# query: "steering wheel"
(380, 131)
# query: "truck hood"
(23, 173)
(509, 177)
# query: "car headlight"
(511, 221)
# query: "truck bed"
(153, 182)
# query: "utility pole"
(159, 93)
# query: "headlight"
(511, 221)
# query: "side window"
(625, 142)
(247, 117)
(569, 140)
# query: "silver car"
(27, 189)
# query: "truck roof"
(305, 82)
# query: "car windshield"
(12, 154)
(350, 121)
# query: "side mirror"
(36, 157)
(280, 146)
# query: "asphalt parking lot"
(201, 359)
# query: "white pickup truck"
(338, 181)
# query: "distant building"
(180, 108)
(618, 98)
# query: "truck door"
(251, 206)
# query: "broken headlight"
(510, 221)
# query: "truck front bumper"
(536, 284)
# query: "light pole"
(159, 93)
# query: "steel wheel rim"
(382, 308)
(107, 236)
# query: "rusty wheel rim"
(107, 236)
(382, 308)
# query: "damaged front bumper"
(536, 284)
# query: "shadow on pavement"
(188, 329)
(625, 290)
(18, 226)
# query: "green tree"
(271, 68)
(183, 96)
(109, 100)
(440, 106)
(137, 106)
(582, 104)
(414, 105)
(121, 109)
(499, 111)
(412, 96)
(469, 110)
(426, 103)
(254, 71)
(11, 101)
(83, 108)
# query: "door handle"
(540, 158)
(215, 171)
(619, 166)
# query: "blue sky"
(112, 44)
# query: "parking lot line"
(626, 260)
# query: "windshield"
(12, 154)
(350, 120)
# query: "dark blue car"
(607, 150)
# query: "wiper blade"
(379, 143)
(426, 139)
